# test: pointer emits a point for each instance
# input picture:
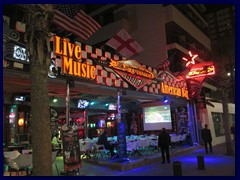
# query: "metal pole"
(86, 122)
(122, 145)
(119, 107)
(67, 104)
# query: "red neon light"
(192, 61)
(201, 71)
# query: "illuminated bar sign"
(166, 89)
(71, 55)
(133, 72)
(201, 71)
(198, 70)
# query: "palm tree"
(37, 19)
(223, 54)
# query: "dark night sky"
(215, 7)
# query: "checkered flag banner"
(164, 65)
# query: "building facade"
(164, 32)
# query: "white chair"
(86, 148)
(153, 145)
(100, 151)
(9, 156)
(22, 163)
(175, 138)
(142, 145)
(183, 138)
(132, 148)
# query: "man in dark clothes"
(207, 138)
(102, 139)
(233, 131)
(164, 141)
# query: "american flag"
(72, 19)
(124, 44)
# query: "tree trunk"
(38, 45)
(226, 125)
(41, 135)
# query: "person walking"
(207, 138)
(164, 141)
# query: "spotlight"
(165, 100)
(54, 100)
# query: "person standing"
(164, 141)
(56, 144)
(207, 138)
(233, 131)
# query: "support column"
(67, 104)
(86, 122)
(196, 124)
(122, 147)
(192, 121)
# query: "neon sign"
(132, 69)
(190, 61)
(166, 89)
(201, 71)
(133, 72)
(71, 55)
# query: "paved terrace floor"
(216, 164)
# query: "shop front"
(107, 90)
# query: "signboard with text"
(71, 149)
(16, 51)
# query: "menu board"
(71, 149)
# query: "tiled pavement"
(216, 164)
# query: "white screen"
(157, 117)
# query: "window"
(231, 119)
(218, 124)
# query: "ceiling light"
(165, 100)
(54, 100)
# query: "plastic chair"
(9, 156)
(22, 163)
(100, 151)
(85, 148)
(132, 147)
